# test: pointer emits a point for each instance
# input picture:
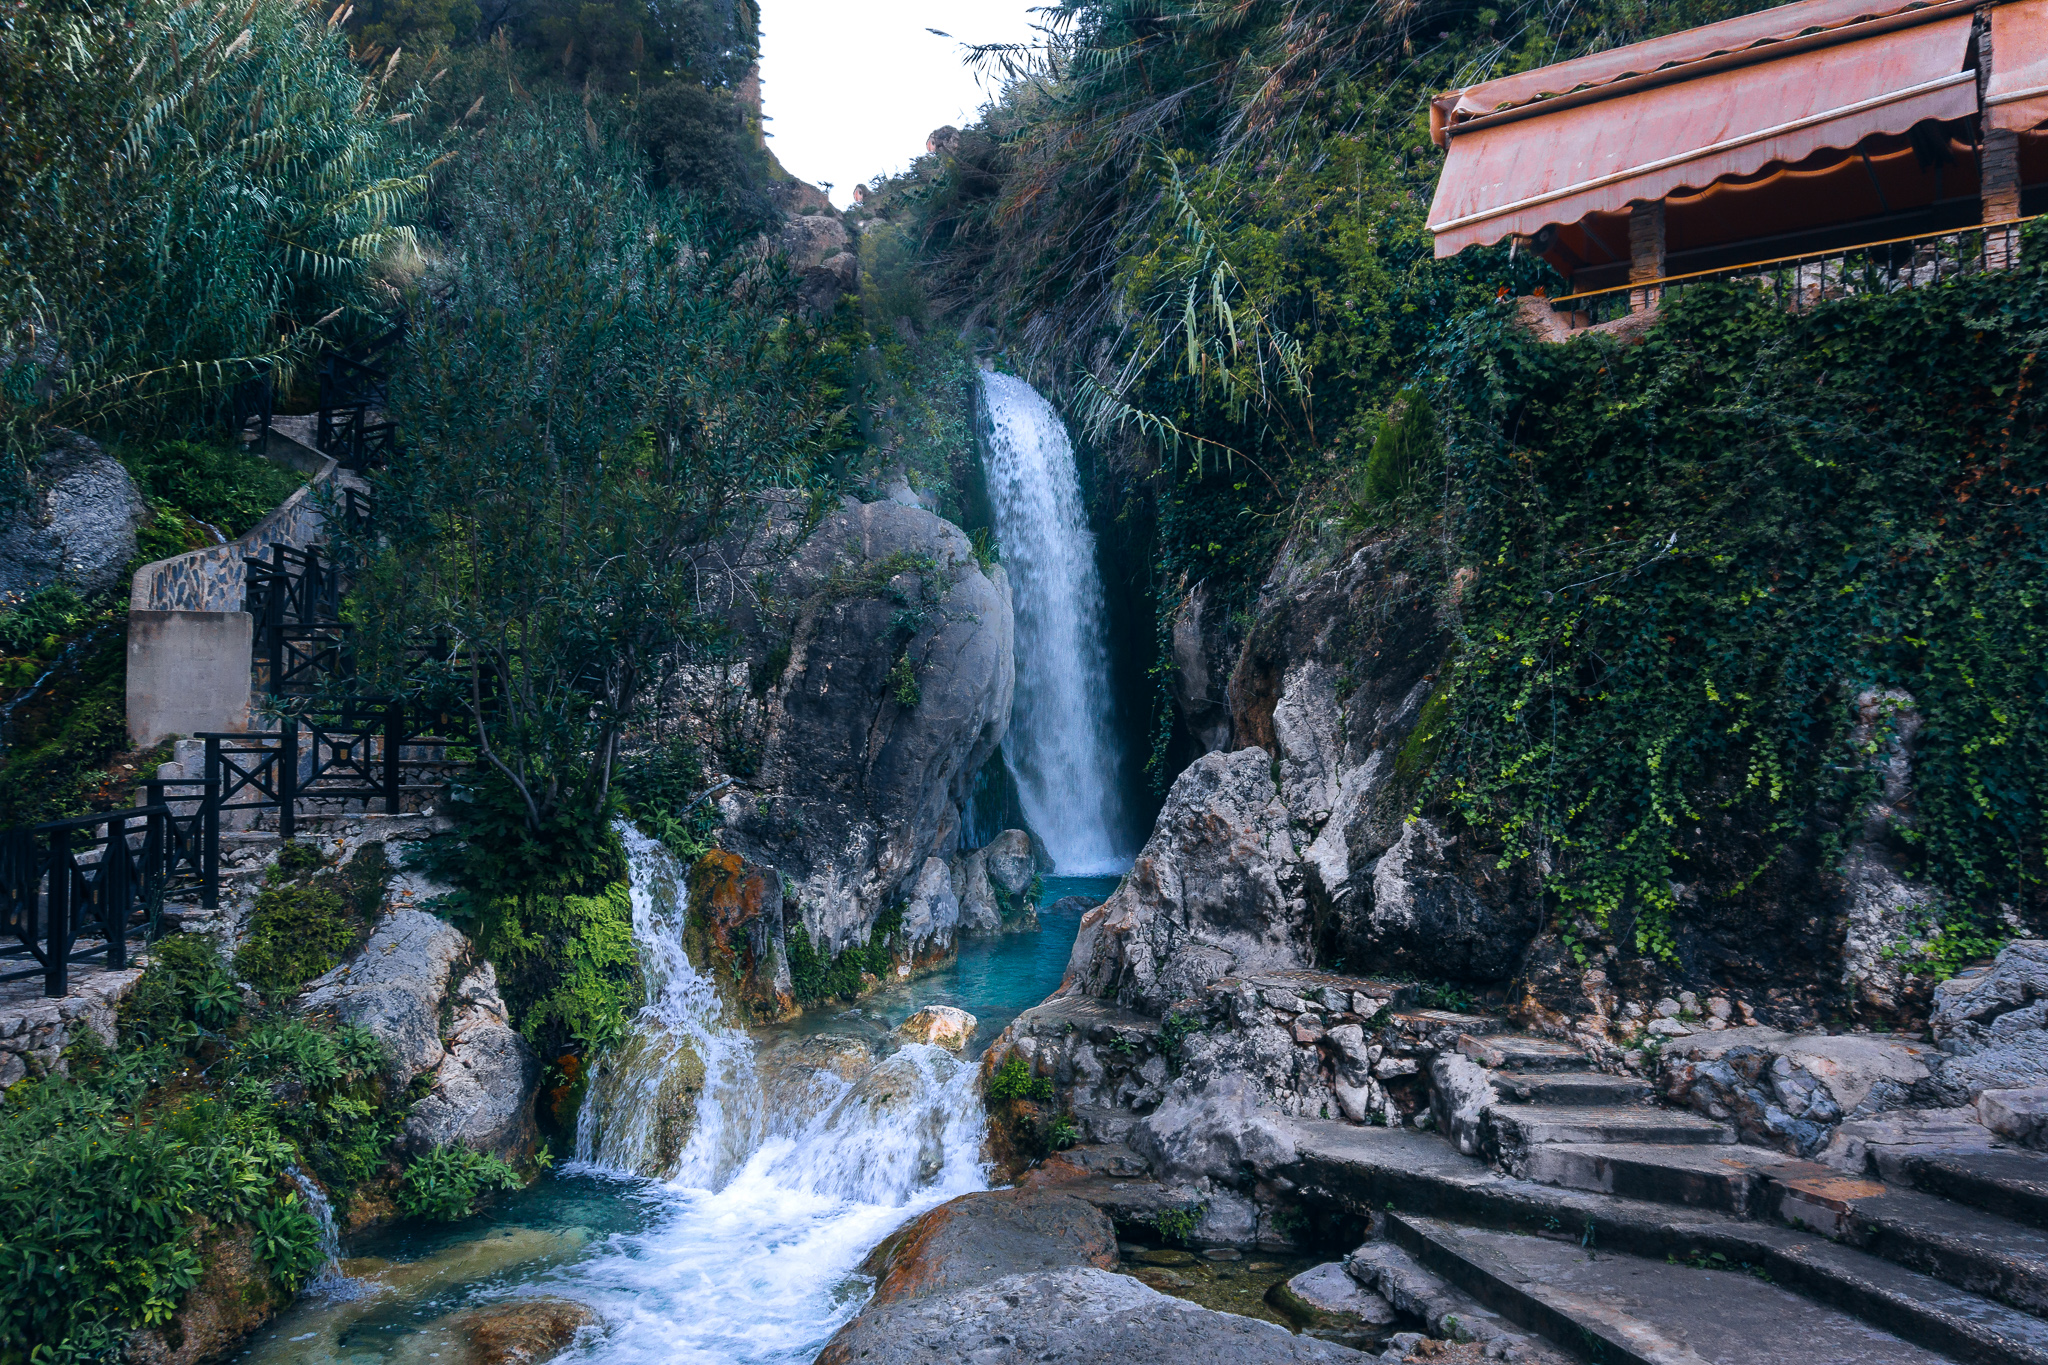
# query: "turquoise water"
(995, 978)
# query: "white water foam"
(766, 1220)
(1061, 746)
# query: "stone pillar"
(1999, 179)
(1645, 252)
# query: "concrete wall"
(187, 671)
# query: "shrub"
(225, 488)
(1014, 1081)
(446, 1184)
(185, 993)
(300, 929)
(288, 1241)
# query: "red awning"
(1781, 24)
(1523, 174)
(2017, 96)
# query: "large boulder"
(893, 672)
(1022, 1275)
(418, 985)
(1791, 1091)
(77, 525)
(1215, 891)
(735, 935)
(1219, 1134)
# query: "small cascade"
(1061, 745)
(328, 1281)
(678, 1098)
(768, 1215)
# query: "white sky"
(853, 86)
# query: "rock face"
(802, 1078)
(1790, 1092)
(235, 1295)
(414, 968)
(1020, 1275)
(735, 935)
(78, 525)
(522, 1332)
(1992, 1024)
(895, 690)
(1215, 891)
(993, 885)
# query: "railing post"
(117, 891)
(288, 778)
(209, 835)
(57, 918)
(394, 742)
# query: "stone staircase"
(1572, 1204)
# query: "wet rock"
(1219, 1135)
(894, 1122)
(1167, 1256)
(940, 1025)
(1201, 652)
(645, 1128)
(734, 934)
(235, 1295)
(1077, 1313)
(979, 911)
(1215, 891)
(77, 525)
(801, 1078)
(986, 1235)
(1329, 1289)
(1011, 866)
(522, 1332)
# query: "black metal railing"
(300, 642)
(353, 393)
(191, 836)
(336, 750)
(1795, 283)
(74, 892)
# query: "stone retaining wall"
(212, 579)
(34, 1032)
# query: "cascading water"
(767, 1212)
(1061, 746)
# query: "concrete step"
(1516, 1128)
(1620, 1309)
(1523, 1052)
(1730, 1180)
(2014, 1184)
(1967, 1247)
(1569, 1088)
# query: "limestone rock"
(939, 1025)
(2021, 1115)
(1011, 865)
(857, 787)
(78, 524)
(1201, 652)
(1218, 1135)
(1079, 1313)
(1993, 1024)
(1423, 907)
(235, 1295)
(810, 239)
(1880, 1145)
(986, 1235)
(394, 988)
(1789, 1091)
(521, 1332)
(1329, 1288)
(979, 912)
(1214, 892)
(1879, 907)
(1460, 1091)
(931, 916)
(483, 1089)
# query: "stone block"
(188, 671)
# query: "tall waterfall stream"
(1061, 747)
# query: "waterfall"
(1061, 747)
(329, 1281)
(768, 1213)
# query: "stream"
(735, 1237)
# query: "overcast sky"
(853, 86)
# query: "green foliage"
(1407, 444)
(1179, 1224)
(664, 792)
(446, 1184)
(1712, 567)
(1062, 1133)
(1013, 1081)
(902, 683)
(223, 487)
(35, 624)
(816, 977)
(219, 198)
(287, 1239)
(567, 964)
(300, 929)
(60, 737)
(987, 552)
(568, 608)
(113, 1178)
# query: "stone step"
(1569, 1088)
(2014, 1184)
(1429, 1024)
(1728, 1179)
(1519, 1128)
(1967, 1247)
(1620, 1309)
(1523, 1052)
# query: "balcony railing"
(1800, 282)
